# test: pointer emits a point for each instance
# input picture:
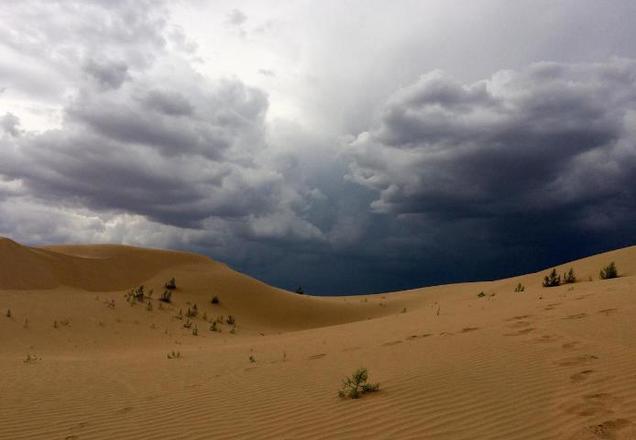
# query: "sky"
(346, 146)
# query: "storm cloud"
(294, 149)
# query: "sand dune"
(547, 363)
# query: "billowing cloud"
(300, 145)
(538, 140)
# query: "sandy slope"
(543, 364)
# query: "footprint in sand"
(577, 316)
(612, 429)
(469, 329)
(571, 345)
(521, 332)
(392, 343)
(608, 312)
(413, 337)
(317, 356)
(576, 360)
(516, 318)
(581, 376)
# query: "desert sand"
(78, 361)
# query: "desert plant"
(481, 294)
(31, 358)
(569, 277)
(252, 359)
(179, 315)
(54, 324)
(230, 320)
(300, 290)
(552, 280)
(520, 288)
(355, 386)
(8, 314)
(174, 355)
(166, 296)
(215, 300)
(192, 312)
(149, 306)
(136, 294)
(188, 323)
(403, 310)
(609, 272)
(171, 284)
(195, 330)
(233, 330)
(214, 327)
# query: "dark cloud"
(448, 180)
(107, 74)
(518, 142)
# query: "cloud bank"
(449, 180)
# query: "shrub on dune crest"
(355, 386)
(552, 280)
(609, 272)
(569, 277)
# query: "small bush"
(481, 294)
(355, 386)
(166, 296)
(8, 314)
(187, 324)
(520, 288)
(192, 312)
(569, 277)
(31, 358)
(609, 272)
(136, 294)
(214, 327)
(552, 280)
(252, 359)
(300, 290)
(230, 320)
(171, 284)
(233, 330)
(195, 331)
(174, 355)
(149, 306)
(215, 300)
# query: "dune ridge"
(546, 363)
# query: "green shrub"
(609, 272)
(520, 288)
(355, 386)
(569, 277)
(552, 280)
(166, 296)
(192, 312)
(171, 284)
(215, 300)
(481, 294)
